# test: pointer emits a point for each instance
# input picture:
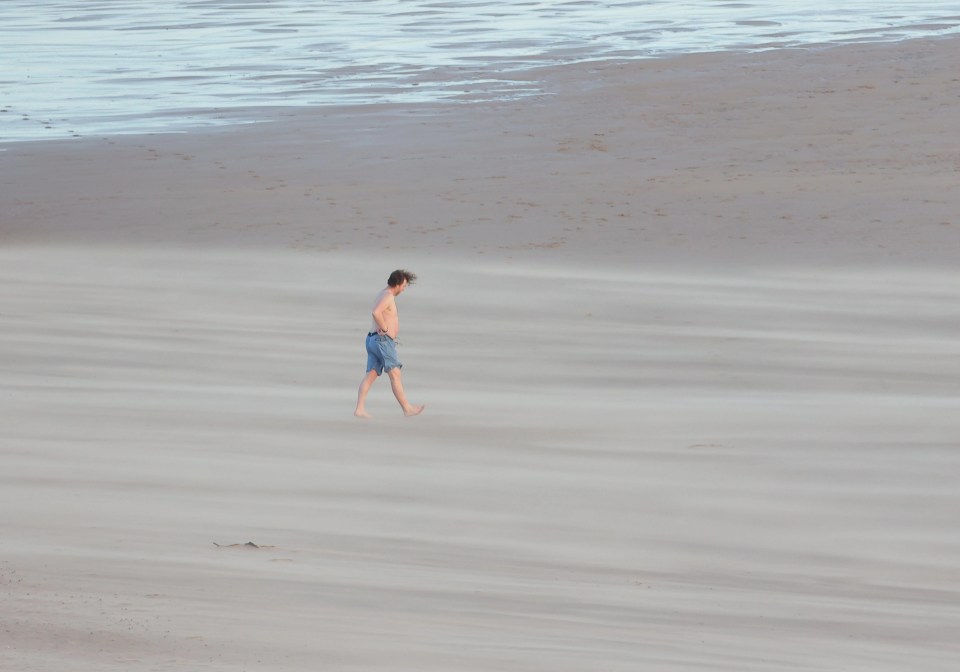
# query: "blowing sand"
(686, 331)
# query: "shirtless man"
(382, 345)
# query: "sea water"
(72, 68)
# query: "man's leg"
(396, 384)
(365, 384)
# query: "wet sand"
(686, 333)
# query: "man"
(382, 345)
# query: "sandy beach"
(686, 331)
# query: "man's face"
(402, 286)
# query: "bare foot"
(414, 410)
(362, 414)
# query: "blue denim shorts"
(381, 353)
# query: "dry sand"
(686, 331)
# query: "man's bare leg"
(365, 384)
(396, 384)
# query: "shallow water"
(102, 67)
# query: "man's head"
(399, 280)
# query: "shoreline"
(837, 154)
(161, 73)
(211, 119)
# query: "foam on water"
(103, 67)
